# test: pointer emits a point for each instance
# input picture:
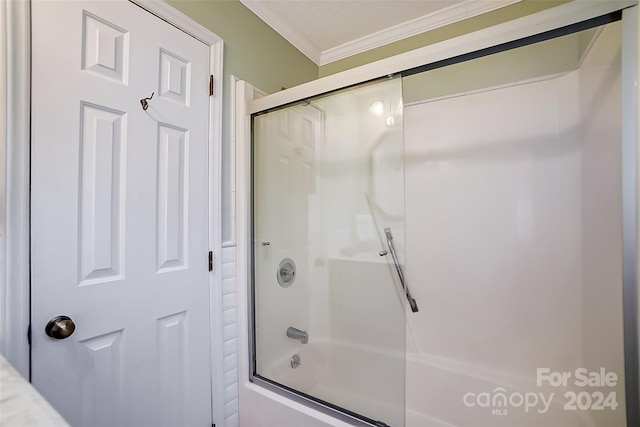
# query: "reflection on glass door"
(328, 177)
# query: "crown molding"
(457, 12)
(282, 27)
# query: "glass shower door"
(514, 229)
(328, 247)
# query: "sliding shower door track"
(318, 404)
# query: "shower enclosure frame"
(256, 392)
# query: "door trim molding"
(179, 20)
(15, 84)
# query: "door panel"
(101, 194)
(119, 215)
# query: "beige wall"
(253, 52)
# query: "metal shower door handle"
(392, 249)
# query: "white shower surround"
(514, 239)
(263, 407)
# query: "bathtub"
(442, 392)
(434, 392)
(348, 376)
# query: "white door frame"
(15, 92)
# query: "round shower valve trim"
(286, 272)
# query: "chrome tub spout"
(297, 334)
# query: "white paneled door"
(119, 219)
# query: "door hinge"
(211, 85)
(210, 260)
(29, 334)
